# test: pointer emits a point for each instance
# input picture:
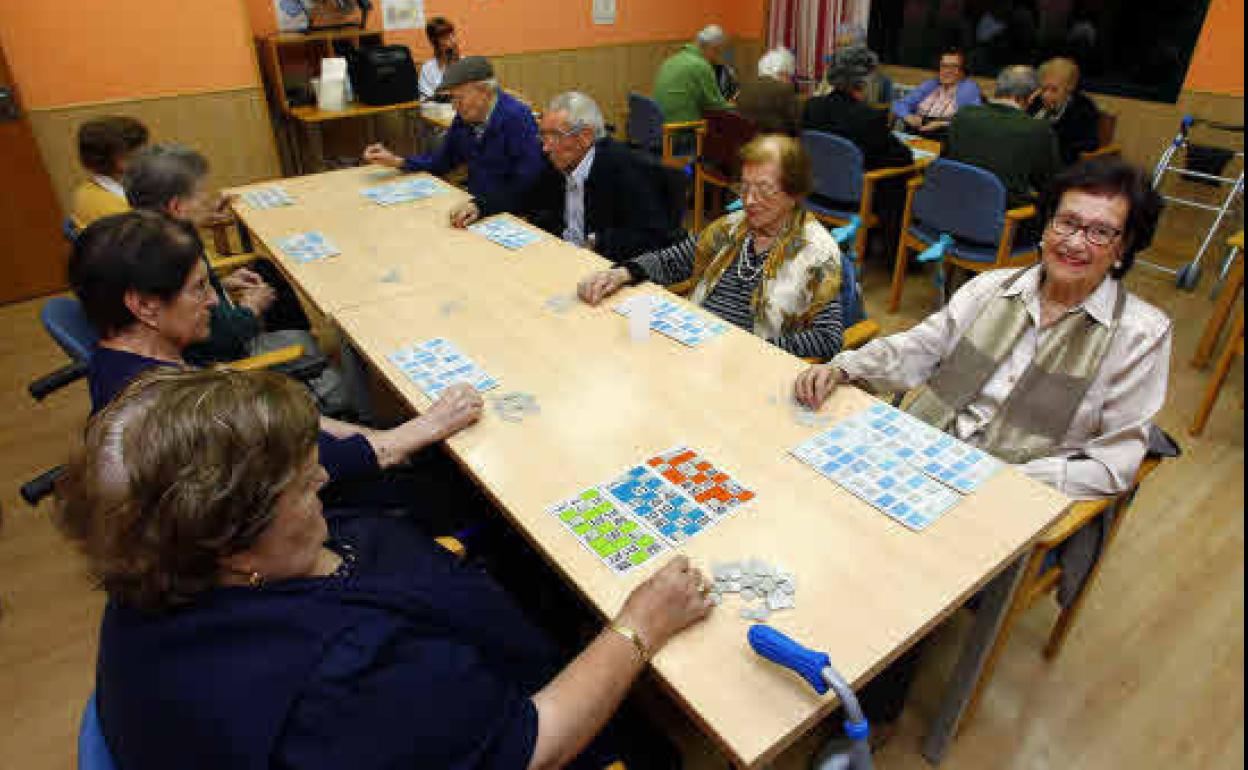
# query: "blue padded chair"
(678, 144)
(93, 753)
(968, 204)
(841, 176)
(65, 321)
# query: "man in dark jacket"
(594, 192)
(1074, 117)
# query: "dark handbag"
(383, 75)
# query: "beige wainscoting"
(230, 127)
(1144, 128)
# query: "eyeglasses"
(1096, 234)
(760, 191)
(556, 135)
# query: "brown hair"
(796, 177)
(183, 468)
(102, 142)
(438, 28)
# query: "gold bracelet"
(631, 635)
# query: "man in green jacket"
(1001, 137)
(685, 87)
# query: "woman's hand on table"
(596, 287)
(465, 214)
(813, 386)
(671, 600)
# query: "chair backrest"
(727, 131)
(837, 164)
(853, 308)
(70, 230)
(965, 201)
(670, 184)
(1106, 127)
(645, 123)
(93, 753)
(65, 321)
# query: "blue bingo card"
(931, 451)
(680, 322)
(436, 364)
(267, 198)
(307, 247)
(403, 191)
(848, 455)
(505, 233)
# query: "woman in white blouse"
(445, 44)
(1055, 368)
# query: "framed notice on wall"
(604, 11)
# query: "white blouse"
(430, 78)
(1108, 436)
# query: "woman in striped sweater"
(770, 268)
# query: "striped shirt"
(731, 298)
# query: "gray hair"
(1017, 82)
(711, 36)
(777, 64)
(583, 112)
(162, 172)
(851, 67)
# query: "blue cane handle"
(847, 232)
(780, 649)
(936, 251)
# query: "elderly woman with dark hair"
(143, 283)
(930, 107)
(105, 148)
(769, 268)
(248, 628)
(1055, 368)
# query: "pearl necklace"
(745, 263)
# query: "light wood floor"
(1152, 677)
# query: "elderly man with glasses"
(594, 192)
(493, 133)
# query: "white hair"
(777, 64)
(583, 112)
(711, 36)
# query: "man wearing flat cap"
(844, 111)
(493, 133)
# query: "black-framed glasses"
(1096, 233)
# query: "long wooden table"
(867, 587)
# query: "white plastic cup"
(640, 313)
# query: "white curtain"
(812, 29)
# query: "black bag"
(384, 74)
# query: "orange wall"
(95, 50)
(1218, 62)
(493, 27)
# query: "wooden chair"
(1234, 348)
(840, 175)
(1041, 576)
(1106, 127)
(1229, 292)
(648, 130)
(967, 203)
(719, 161)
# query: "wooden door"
(32, 249)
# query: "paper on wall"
(403, 14)
(604, 11)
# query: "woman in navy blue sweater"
(248, 628)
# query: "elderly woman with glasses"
(1056, 368)
(247, 627)
(769, 268)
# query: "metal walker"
(1187, 276)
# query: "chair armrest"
(1079, 515)
(223, 265)
(915, 183)
(50, 383)
(1021, 213)
(266, 360)
(669, 128)
(40, 487)
(682, 288)
(879, 174)
(454, 545)
(1109, 150)
(860, 334)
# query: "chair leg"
(1020, 604)
(899, 273)
(1221, 312)
(1219, 376)
(699, 199)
